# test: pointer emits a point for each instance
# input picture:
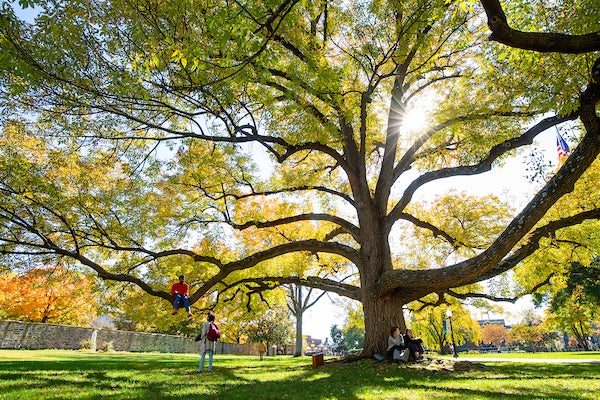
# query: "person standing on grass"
(181, 291)
(262, 349)
(206, 345)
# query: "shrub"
(86, 344)
(107, 347)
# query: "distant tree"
(354, 337)
(235, 321)
(299, 300)
(495, 334)
(51, 294)
(353, 331)
(355, 316)
(428, 324)
(337, 337)
(273, 327)
(527, 335)
(466, 329)
(575, 301)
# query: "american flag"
(562, 147)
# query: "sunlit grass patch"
(79, 375)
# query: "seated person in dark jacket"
(414, 345)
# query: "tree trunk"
(298, 350)
(380, 315)
(381, 311)
(436, 331)
(581, 337)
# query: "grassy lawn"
(54, 374)
(580, 355)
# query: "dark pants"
(415, 346)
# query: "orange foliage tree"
(51, 294)
(494, 334)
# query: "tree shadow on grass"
(366, 379)
(156, 377)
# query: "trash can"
(317, 360)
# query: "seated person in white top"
(395, 342)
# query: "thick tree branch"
(45, 244)
(344, 224)
(484, 165)
(105, 274)
(533, 240)
(533, 289)
(536, 41)
(434, 230)
(268, 283)
(323, 189)
(411, 154)
(410, 279)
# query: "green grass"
(55, 374)
(580, 355)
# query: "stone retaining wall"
(23, 335)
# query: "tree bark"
(299, 313)
(380, 315)
(536, 41)
(298, 350)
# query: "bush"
(86, 344)
(107, 347)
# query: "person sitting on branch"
(180, 291)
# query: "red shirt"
(180, 288)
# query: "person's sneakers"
(189, 315)
(174, 312)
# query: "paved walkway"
(530, 360)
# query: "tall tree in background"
(431, 325)
(527, 335)
(338, 340)
(494, 334)
(144, 121)
(272, 327)
(298, 301)
(575, 301)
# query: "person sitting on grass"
(395, 342)
(180, 292)
(414, 345)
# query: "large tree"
(143, 117)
